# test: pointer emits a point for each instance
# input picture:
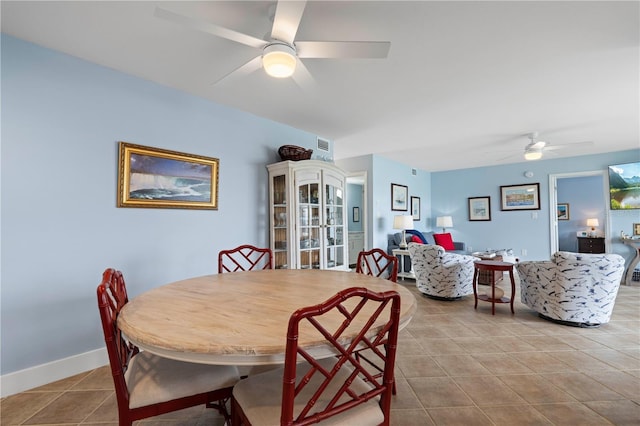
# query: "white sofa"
(440, 274)
(572, 288)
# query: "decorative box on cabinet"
(308, 215)
(591, 245)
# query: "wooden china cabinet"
(308, 223)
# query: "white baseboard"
(29, 378)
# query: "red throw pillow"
(445, 241)
(416, 239)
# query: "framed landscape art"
(520, 197)
(624, 186)
(159, 178)
(479, 208)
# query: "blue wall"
(354, 199)
(447, 193)
(61, 120)
(584, 196)
(521, 230)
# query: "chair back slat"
(377, 263)
(245, 258)
(369, 316)
(112, 297)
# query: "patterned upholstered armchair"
(440, 274)
(572, 288)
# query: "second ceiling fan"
(536, 147)
(280, 54)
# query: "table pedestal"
(628, 276)
(490, 267)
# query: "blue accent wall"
(527, 229)
(584, 196)
(354, 199)
(61, 120)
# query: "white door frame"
(361, 179)
(553, 202)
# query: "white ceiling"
(462, 85)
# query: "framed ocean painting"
(159, 178)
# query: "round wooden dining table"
(238, 318)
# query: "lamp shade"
(403, 222)
(593, 222)
(444, 222)
(279, 60)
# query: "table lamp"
(403, 222)
(593, 222)
(444, 222)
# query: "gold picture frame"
(158, 178)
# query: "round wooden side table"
(491, 266)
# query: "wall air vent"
(323, 145)
(414, 172)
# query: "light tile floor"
(456, 366)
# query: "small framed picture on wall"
(479, 208)
(415, 208)
(356, 214)
(563, 211)
(399, 197)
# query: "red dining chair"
(337, 387)
(377, 263)
(245, 258)
(148, 385)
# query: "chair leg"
(221, 406)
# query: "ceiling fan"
(536, 147)
(280, 53)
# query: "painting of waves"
(158, 178)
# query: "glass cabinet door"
(309, 225)
(334, 216)
(280, 225)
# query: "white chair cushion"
(260, 397)
(151, 379)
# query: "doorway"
(357, 214)
(595, 183)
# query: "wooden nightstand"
(590, 245)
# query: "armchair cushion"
(573, 288)
(441, 274)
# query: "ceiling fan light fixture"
(279, 60)
(533, 154)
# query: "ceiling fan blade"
(243, 70)
(303, 77)
(568, 145)
(287, 20)
(343, 49)
(208, 27)
(508, 157)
